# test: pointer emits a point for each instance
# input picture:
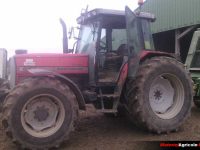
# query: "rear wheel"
(160, 97)
(39, 113)
(165, 103)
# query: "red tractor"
(113, 64)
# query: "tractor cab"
(111, 38)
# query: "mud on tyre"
(160, 97)
(39, 113)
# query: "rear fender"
(144, 55)
(124, 70)
(122, 76)
(149, 54)
(69, 82)
(121, 80)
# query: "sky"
(34, 24)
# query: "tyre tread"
(27, 84)
(134, 94)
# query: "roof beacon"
(140, 2)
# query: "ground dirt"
(95, 131)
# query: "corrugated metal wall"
(172, 14)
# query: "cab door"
(135, 41)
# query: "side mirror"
(73, 32)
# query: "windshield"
(87, 38)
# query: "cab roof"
(95, 14)
(109, 15)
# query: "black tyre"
(160, 97)
(39, 113)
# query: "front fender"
(69, 82)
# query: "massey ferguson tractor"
(112, 64)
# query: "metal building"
(176, 21)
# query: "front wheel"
(160, 97)
(39, 113)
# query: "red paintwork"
(59, 63)
(143, 55)
(54, 60)
(64, 64)
(124, 71)
(123, 75)
(151, 52)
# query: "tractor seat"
(122, 50)
(118, 54)
(112, 64)
(116, 57)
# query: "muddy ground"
(98, 132)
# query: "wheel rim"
(166, 96)
(42, 115)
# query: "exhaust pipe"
(65, 39)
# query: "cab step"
(107, 110)
(108, 96)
